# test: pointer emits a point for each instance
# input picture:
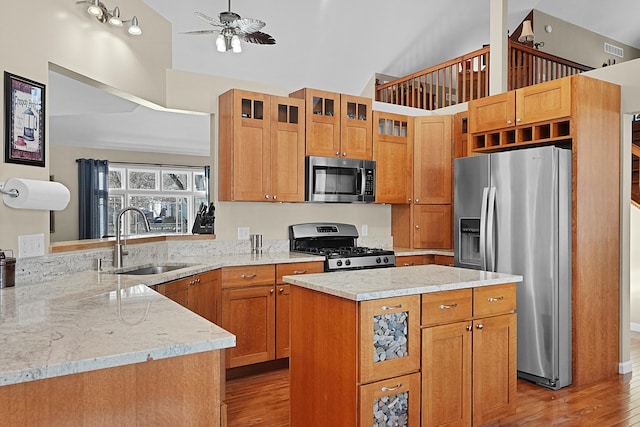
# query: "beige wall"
(570, 41)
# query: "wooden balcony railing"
(465, 78)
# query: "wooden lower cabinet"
(199, 293)
(255, 308)
(468, 371)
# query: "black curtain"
(93, 198)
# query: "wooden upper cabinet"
(337, 125)
(322, 121)
(287, 149)
(545, 101)
(261, 147)
(537, 103)
(244, 150)
(393, 154)
(492, 112)
(355, 127)
(432, 159)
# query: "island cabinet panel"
(468, 369)
(164, 392)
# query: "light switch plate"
(31, 245)
(243, 233)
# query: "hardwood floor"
(263, 400)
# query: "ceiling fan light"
(235, 44)
(134, 29)
(114, 18)
(221, 46)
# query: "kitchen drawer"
(490, 300)
(292, 269)
(447, 306)
(248, 275)
(397, 399)
(409, 260)
(389, 337)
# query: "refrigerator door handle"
(491, 248)
(483, 228)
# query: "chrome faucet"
(119, 249)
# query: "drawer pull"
(491, 299)
(249, 276)
(447, 307)
(408, 264)
(391, 307)
(383, 389)
(300, 271)
(480, 326)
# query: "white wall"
(634, 276)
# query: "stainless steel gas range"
(338, 244)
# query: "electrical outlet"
(243, 233)
(31, 245)
(365, 229)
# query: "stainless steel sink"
(153, 269)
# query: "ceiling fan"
(232, 28)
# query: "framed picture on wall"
(24, 104)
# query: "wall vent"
(614, 50)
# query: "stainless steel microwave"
(339, 180)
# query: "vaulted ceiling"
(334, 45)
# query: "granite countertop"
(363, 285)
(93, 320)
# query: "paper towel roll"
(33, 194)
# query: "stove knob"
(347, 262)
(339, 263)
(378, 260)
(386, 260)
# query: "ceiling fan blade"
(208, 19)
(257, 37)
(248, 25)
(199, 32)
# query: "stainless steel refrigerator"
(512, 214)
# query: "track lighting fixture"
(105, 15)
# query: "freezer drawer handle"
(392, 307)
(447, 307)
(249, 276)
(383, 389)
(492, 299)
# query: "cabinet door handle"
(417, 200)
(338, 153)
(492, 299)
(509, 122)
(447, 307)
(275, 197)
(192, 282)
(249, 276)
(391, 307)
(271, 290)
(469, 328)
(518, 120)
(266, 196)
(281, 290)
(409, 199)
(300, 271)
(344, 154)
(383, 389)
(417, 227)
(480, 326)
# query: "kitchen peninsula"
(364, 344)
(98, 348)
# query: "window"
(169, 196)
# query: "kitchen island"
(365, 343)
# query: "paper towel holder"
(15, 193)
